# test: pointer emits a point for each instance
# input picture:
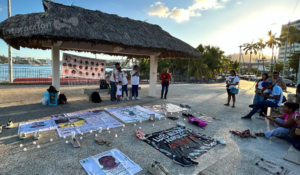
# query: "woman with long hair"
(231, 82)
(259, 89)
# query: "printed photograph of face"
(108, 162)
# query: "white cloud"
(239, 2)
(1, 9)
(159, 9)
(180, 14)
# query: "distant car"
(252, 77)
(289, 83)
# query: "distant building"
(282, 48)
(260, 66)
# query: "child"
(135, 80)
(123, 77)
(119, 91)
(284, 123)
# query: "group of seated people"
(269, 93)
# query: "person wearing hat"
(113, 82)
(274, 96)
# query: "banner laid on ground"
(30, 127)
(130, 114)
(112, 162)
(168, 108)
(83, 67)
(84, 122)
(180, 141)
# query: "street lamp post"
(10, 61)
(287, 37)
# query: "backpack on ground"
(62, 99)
(103, 84)
(96, 97)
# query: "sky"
(223, 23)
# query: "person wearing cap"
(274, 96)
(276, 80)
(113, 82)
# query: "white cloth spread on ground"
(275, 91)
(135, 79)
(232, 80)
(30, 127)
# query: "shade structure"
(74, 28)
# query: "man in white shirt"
(274, 97)
(113, 82)
(135, 81)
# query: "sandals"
(226, 104)
(243, 134)
(102, 142)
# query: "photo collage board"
(82, 67)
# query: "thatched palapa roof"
(78, 25)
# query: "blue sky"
(225, 23)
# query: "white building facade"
(289, 48)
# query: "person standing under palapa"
(135, 81)
(113, 82)
(231, 82)
(165, 78)
(122, 76)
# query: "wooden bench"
(90, 91)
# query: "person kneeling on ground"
(284, 123)
(274, 96)
(294, 136)
(231, 82)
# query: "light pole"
(10, 61)
(287, 37)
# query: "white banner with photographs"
(112, 162)
(82, 67)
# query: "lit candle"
(80, 138)
(67, 141)
(140, 121)
(107, 128)
(140, 127)
(21, 145)
(51, 140)
(91, 131)
(171, 113)
(122, 130)
(165, 118)
(169, 123)
(81, 134)
(134, 124)
(108, 132)
(24, 149)
(184, 119)
(96, 135)
(38, 146)
(34, 142)
(153, 125)
(116, 135)
(64, 137)
(123, 126)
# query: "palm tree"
(294, 36)
(252, 47)
(261, 45)
(272, 43)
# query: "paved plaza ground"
(22, 103)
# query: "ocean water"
(28, 70)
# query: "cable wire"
(295, 7)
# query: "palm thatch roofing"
(78, 25)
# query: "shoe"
(246, 117)
(138, 98)
(36, 135)
(22, 135)
(190, 160)
(122, 98)
(133, 98)
(75, 143)
(181, 161)
(9, 125)
(220, 140)
(173, 118)
(161, 97)
(118, 100)
(184, 114)
(165, 97)
(252, 106)
(127, 98)
(226, 104)
(187, 106)
(182, 105)
(260, 117)
(179, 123)
(190, 115)
(140, 134)
(155, 169)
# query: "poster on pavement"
(180, 141)
(30, 127)
(130, 114)
(112, 162)
(82, 67)
(165, 108)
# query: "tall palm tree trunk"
(250, 63)
(272, 60)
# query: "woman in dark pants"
(165, 78)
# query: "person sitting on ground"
(284, 123)
(294, 136)
(231, 82)
(122, 76)
(274, 96)
(259, 89)
(276, 80)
